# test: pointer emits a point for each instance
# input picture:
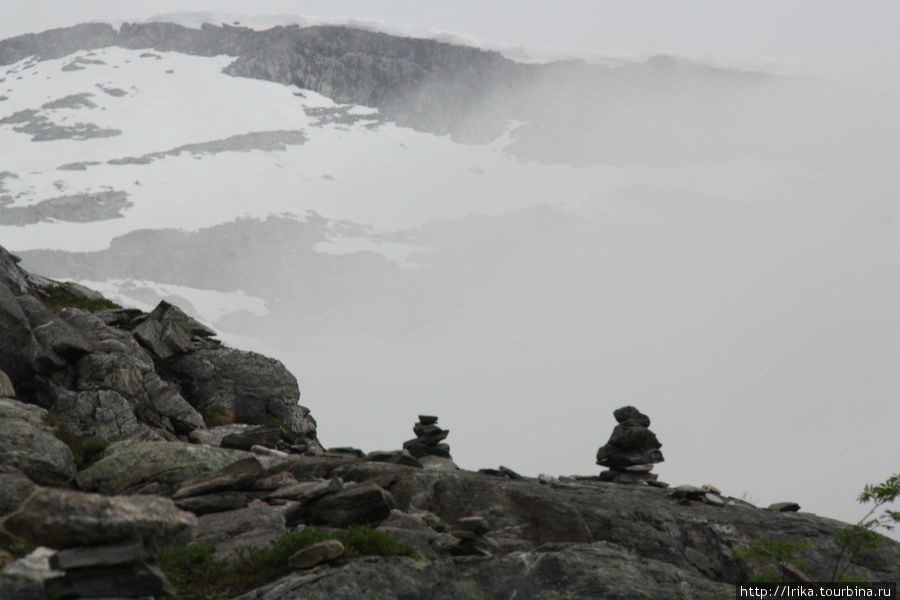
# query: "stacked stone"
(428, 440)
(632, 449)
(105, 543)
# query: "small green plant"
(84, 449)
(218, 415)
(55, 296)
(198, 575)
(864, 534)
(771, 559)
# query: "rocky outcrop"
(244, 383)
(119, 374)
(29, 445)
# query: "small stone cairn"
(428, 440)
(631, 450)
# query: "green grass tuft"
(197, 575)
(54, 297)
(84, 449)
(218, 415)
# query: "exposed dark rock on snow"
(42, 128)
(468, 93)
(75, 208)
(267, 141)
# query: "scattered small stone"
(510, 473)
(475, 525)
(690, 492)
(347, 451)
(713, 499)
(784, 507)
(267, 436)
(263, 451)
(97, 556)
(398, 457)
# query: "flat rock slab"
(64, 519)
(217, 527)
(137, 580)
(213, 503)
(361, 504)
(238, 475)
(98, 556)
(399, 457)
(31, 446)
(153, 467)
(261, 435)
(316, 554)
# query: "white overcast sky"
(846, 38)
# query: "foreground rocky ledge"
(120, 437)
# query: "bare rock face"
(65, 518)
(245, 383)
(19, 347)
(15, 487)
(153, 467)
(30, 445)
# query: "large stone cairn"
(428, 440)
(631, 450)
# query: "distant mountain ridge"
(432, 86)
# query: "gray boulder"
(131, 373)
(30, 446)
(238, 475)
(102, 413)
(163, 340)
(24, 579)
(153, 467)
(57, 338)
(217, 527)
(245, 383)
(166, 312)
(19, 348)
(15, 487)
(362, 504)
(65, 518)
(316, 554)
